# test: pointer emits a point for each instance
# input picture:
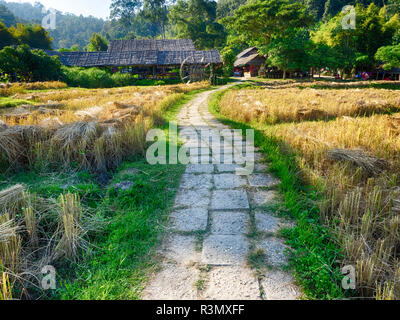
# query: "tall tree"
(289, 52)
(125, 10)
(156, 11)
(259, 21)
(372, 31)
(35, 36)
(196, 20)
(390, 55)
(97, 43)
(226, 8)
(6, 37)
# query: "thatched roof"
(247, 52)
(136, 58)
(252, 60)
(151, 45)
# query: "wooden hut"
(382, 74)
(249, 61)
(155, 59)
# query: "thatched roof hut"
(250, 61)
(151, 45)
(137, 58)
(249, 57)
(145, 53)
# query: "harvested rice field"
(90, 128)
(74, 188)
(344, 141)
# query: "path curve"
(207, 248)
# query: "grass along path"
(126, 252)
(220, 228)
(129, 222)
(314, 257)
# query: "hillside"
(71, 29)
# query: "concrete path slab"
(214, 210)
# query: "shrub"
(94, 78)
(29, 65)
(122, 80)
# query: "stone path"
(205, 255)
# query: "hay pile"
(370, 164)
(35, 232)
(95, 146)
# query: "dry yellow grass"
(361, 206)
(307, 104)
(9, 89)
(45, 231)
(94, 129)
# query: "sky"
(96, 8)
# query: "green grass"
(8, 102)
(315, 258)
(123, 255)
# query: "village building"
(249, 62)
(382, 74)
(147, 59)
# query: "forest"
(312, 38)
(79, 195)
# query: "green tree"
(156, 11)
(259, 21)
(6, 37)
(390, 55)
(196, 20)
(226, 8)
(29, 65)
(290, 52)
(323, 56)
(228, 56)
(97, 43)
(33, 35)
(358, 46)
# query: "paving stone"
(261, 167)
(267, 223)
(274, 250)
(174, 282)
(229, 222)
(193, 198)
(228, 181)
(258, 157)
(262, 197)
(196, 181)
(229, 200)
(225, 250)
(189, 220)
(202, 159)
(223, 168)
(231, 283)
(181, 249)
(278, 285)
(200, 168)
(262, 180)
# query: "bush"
(95, 78)
(122, 80)
(28, 65)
